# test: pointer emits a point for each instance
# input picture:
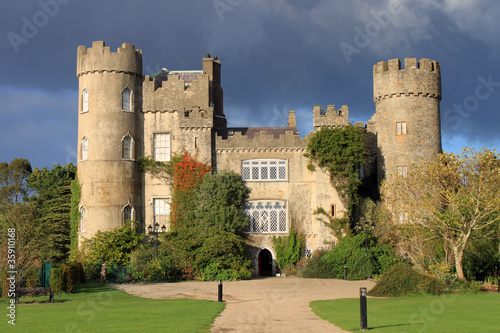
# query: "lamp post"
(367, 226)
(156, 230)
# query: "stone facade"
(124, 114)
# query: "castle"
(124, 114)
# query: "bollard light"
(363, 309)
(345, 272)
(220, 291)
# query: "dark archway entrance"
(265, 263)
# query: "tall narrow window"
(162, 147)
(126, 99)
(85, 149)
(85, 100)
(127, 147)
(403, 171)
(127, 213)
(161, 211)
(83, 218)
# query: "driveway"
(275, 304)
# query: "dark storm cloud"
(276, 55)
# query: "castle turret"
(407, 120)
(110, 89)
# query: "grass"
(97, 308)
(447, 313)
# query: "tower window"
(83, 218)
(403, 171)
(127, 213)
(161, 147)
(332, 212)
(401, 128)
(126, 99)
(85, 149)
(127, 147)
(85, 100)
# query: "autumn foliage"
(188, 174)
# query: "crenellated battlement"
(261, 140)
(196, 117)
(422, 78)
(330, 117)
(99, 58)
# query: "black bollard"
(220, 291)
(345, 272)
(363, 312)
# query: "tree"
(52, 204)
(112, 247)
(342, 153)
(219, 202)
(452, 198)
(13, 181)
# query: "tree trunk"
(459, 256)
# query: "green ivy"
(341, 152)
(289, 249)
(74, 216)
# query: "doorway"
(265, 263)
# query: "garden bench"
(34, 292)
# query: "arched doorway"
(265, 263)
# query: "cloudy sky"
(276, 55)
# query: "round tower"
(407, 119)
(110, 87)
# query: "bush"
(32, 278)
(318, 268)
(92, 272)
(289, 249)
(56, 280)
(162, 269)
(403, 280)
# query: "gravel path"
(275, 304)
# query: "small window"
(161, 211)
(127, 147)
(83, 218)
(162, 147)
(403, 171)
(127, 213)
(332, 212)
(264, 170)
(85, 149)
(85, 100)
(126, 99)
(401, 128)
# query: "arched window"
(127, 213)
(85, 149)
(127, 147)
(127, 99)
(266, 216)
(85, 100)
(83, 218)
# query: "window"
(85, 100)
(162, 147)
(266, 216)
(127, 213)
(403, 217)
(401, 128)
(83, 218)
(264, 170)
(161, 211)
(85, 149)
(332, 212)
(126, 99)
(403, 171)
(127, 147)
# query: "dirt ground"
(275, 304)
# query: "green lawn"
(97, 308)
(447, 313)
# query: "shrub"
(32, 278)
(318, 268)
(139, 261)
(162, 269)
(289, 249)
(402, 280)
(92, 272)
(56, 280)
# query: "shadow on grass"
(395, 325)
(89, 288)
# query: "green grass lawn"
(97, 308)
(447, 313)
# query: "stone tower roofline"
(99, 58)
(330, 117)
(422, 78)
